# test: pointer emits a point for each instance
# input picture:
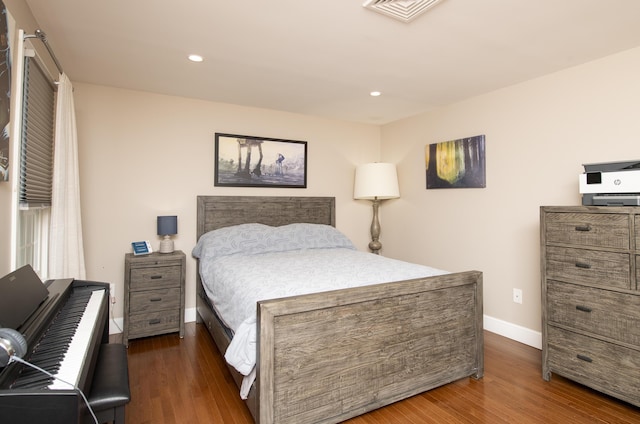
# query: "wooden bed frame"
(327, 357)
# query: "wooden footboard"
(327, 357)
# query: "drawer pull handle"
(583, 227)
(155, 299)
(583, 308)
(584, 358)
(583, 265)
(154, 321)
(156, 277)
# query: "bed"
(330, 356)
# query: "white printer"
(611, 184)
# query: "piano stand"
(110, 387)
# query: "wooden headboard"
(223, 211)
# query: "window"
(36, 167)
(33, 237)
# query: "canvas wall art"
(5, 91)
(248, 161)
(456, 163)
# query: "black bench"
(110, 387)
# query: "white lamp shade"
(376, 180)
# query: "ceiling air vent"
(403, 10)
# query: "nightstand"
(153, 294)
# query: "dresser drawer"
(142, 325)
(589, 266)
(144, 278)
(587, 229)
(602, 312)
(603, 366)
(637, 273)
(146, 301)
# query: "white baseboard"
(503, 328)
(513, 331)
(190, 314)
(115, 325)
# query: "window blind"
(36, 152)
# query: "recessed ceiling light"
(195, 58)
(375, 93)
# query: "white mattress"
(235, 284)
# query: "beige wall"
(143, 155)
(538, 135)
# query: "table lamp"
(167, 226)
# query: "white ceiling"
(324, 57)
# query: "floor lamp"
(376, 182)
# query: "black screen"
(594, 178)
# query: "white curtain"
(66, 253)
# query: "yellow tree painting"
(456, 163)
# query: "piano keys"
(75, 356)
(63, 336)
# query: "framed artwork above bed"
(249, 161)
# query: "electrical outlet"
(112, 293)
(517, 295)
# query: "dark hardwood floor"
(186, 381)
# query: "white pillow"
(251, 239)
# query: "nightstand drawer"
(155, 277)
(601, 365)
(603, 312)
(589, 266)
(154, 300)
(150, 324)
(587, 229)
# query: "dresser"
(153, 294)
(590, 262)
